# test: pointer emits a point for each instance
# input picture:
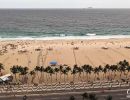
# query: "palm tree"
(56, 71)
(46, 70)
(109, 97)
(72, 98)
(64, 71)
(104, 73)
(74, 71)
(115, 69)
(41, 70)
(128, 70)
(83, 71)
(37, 69)
(14, 70)
(32, 73)
(120, 62)
(68, 70)
(61, 68)
(85, 96)
(51, 72)
(19, 69)
(107, 66)
(100, 69)
(24, 71)
(87, 69)
(90, 70)
(96, 72)
(1, 67)
(80, 70)
(122, 69)
(127, 67)
(126, 63)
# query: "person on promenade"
(25, 97)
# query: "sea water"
(64, 23)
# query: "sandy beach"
(32, 53)
(94, 52)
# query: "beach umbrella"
(53, 63)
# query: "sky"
(64, 3)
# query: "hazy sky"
(64, 3)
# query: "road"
(118, 94)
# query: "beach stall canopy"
(53, 63)
(5, 78)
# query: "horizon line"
(66, 8)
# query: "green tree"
(104, 73)
(87, 69)
(14, 70)
(23, 72)
(128, 70)
(41, 70)
(80, 70)
(37, 69)
(32, 73)
(56, 72)
(61, 68)
(74, 72)
(64, 71)
(68, 70)
(96, 72)
(50, 71)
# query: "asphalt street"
(118, 94)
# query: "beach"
(66, 52)
(33, 53)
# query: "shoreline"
(90, 37)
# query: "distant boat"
(91, 34)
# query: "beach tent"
(53, 63)
(6, 78)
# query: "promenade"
(63, 91)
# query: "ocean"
(64, 23)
